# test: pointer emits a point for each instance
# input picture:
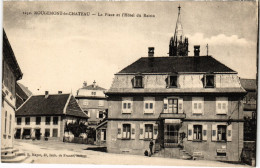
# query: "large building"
(190, 106)
(22, 94)
(11, 72)
(93, 101)
(47, 114)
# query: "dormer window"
(138, 81)
(209, 81)
(172, 81)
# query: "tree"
(77, 128)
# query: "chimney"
(85, 84)
(59, 92)
(196, 50)
(94, 84)
(46, 94)
(150, 51)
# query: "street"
(70, 153)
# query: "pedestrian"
(151, 146)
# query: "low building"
(93, 101)
(47, 114)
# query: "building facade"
(47, 114)
(93, 101)
(22, 94)
(11, 72)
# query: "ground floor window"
(197, 132)
(18, 134)
(126, 131)
(55, 133)
(27, 133)
(47, 133)
(222, 133)
(148, 131)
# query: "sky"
(60, 52)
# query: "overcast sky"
(60, 52)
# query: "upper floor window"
(197, 105)
(173, 105)
(101, 103)
(10, 124)
(27, 121)
(149, 104)
(138, 81)
(221, 105)
(100, 114)
(209, 81)
(172, 81)
(38, 120)
(93, 93)
(55, 120)
(127, 104)
(47, 120)
(19, 121)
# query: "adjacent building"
(11, 73)
(47, 114)
(190, 106)
(93, 101)
(22, 94)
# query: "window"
(172, 81)
(221, 152)
(221, 105)
(148, 131)
(173, 105)
(55, 120)
(27, 121)
(126, 131)
(222, 133)
(149, 104)
(55, 132)
(85, 102)
(101, 103)
(100, 114)
(10, 124)
(93, 93)
(197, 105)
(127, 105)
(47, 120)
(5, 120)
(19, 121)
(138, 81)
(47, 133)
(197, 132)
(209, 81)
(38, 120)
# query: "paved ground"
(69, 153)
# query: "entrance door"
(18, 134)
(38, 134)
(171, 133)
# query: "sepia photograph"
(151, 83)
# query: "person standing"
(151, 146)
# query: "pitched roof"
(53, 105)
(24, 89)
(176, 64)
(248, 84)
(93, 87)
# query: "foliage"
(91, 132)
(76, 128)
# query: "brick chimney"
(150, 51)
(59, 92)
(46, 94)
(196, 50)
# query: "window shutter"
(141, 135)
(165, 105)
(97, 114)
(119, 130)
(132, 131)
(204, 132)
(229, 133)
(134, 85)
(155, 131)
(214, 132)
(89, 113)
(190, 132)
(180, 105)
(142, 82)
